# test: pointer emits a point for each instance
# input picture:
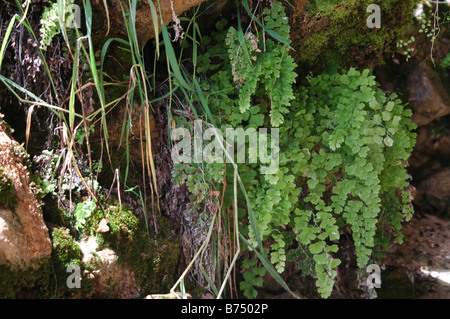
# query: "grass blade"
(268, 265)
(6, 37)
(155, 24)
(28, 126)
(172, 59)
(272, 33)
(93, 66)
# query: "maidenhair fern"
(50, 23)
(342, 168)
(354, 168)
(272, 67)
(343, 144)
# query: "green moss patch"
(28, 283)
(7, 191)
(337, 31)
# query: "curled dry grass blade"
(140, 81)
(28, 125)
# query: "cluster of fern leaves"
(343, 145)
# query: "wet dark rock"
(396, 283)
(434, 192)
(428, 97)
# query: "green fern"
(272, 68)
(50, 23)
(446, 61)
(343, 152)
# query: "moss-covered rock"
(27, 283)
(124, 262)
(153, 260)
(329, 30)
(143, 263)
(65, 250)
(396, 283)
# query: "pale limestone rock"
(24, 237)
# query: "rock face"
(396, 283)
(24, 237)
(426, 247)
(435, 192)
(170, 9)
(111, 279)
(432, 150)
(428, 98)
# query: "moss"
(5, 126)
(153, 260)
(22, 154)
(163, 266)
(121, 223)
(7, 191)
(26, 283)
(335, 31)
(65, 250)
